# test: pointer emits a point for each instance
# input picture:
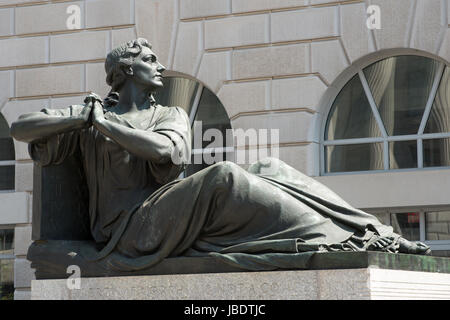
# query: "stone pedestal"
(361, 284)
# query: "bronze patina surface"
(120, 159)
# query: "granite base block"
(348, 284)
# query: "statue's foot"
(384, 244)
(411, 247)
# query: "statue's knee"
(224, 170)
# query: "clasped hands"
(92, 113)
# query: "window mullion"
(431, 98)
(422, 225)
(420, 153)
(352, 141)
(372, 103)
(386, 155)
(7, 163)
(436, 135)
(195, 103)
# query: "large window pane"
(351, 116)
(7, 174)
(6, 149)
(439, 119)
(407, 225)
(6, 264)
(6, 142)
(6, 279)
(354, 157)
(401, 87)
(6, 241)
(403, 154)
(177, 91)
(436, 152)
(4, 128)
(437, 225)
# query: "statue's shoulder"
(172, 111)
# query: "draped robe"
(268, 217)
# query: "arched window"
(7, 156)
(202, 106)
(393, 114)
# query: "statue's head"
(133, 61)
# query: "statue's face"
(147, 70)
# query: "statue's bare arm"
(150, 146)
(38, 125)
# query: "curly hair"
(116, 60)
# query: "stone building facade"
(273, 64)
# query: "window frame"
(6, 163)
(357, 69)
(9, 256)
(435, 245)
(193, 113)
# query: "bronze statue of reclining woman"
(140, 213)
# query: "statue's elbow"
(18, 131)
(15, 131)
(165, 155)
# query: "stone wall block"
(13, 2)
(5, 86)
(65, 102)
(448, 12)
(395, 23)
(6, 25)
(23, 51)
(23, 273)
(189, 47)
(445, 48)
(256, 5)
(14, 208)
(214, 69)
(354, 31)
(304, 24)
(236, 31)
(22, 294)
(22, 240)
(155, 22)
(313, 2)
(270, 61)
(245, 97)
(302, 92)
(96, 79)
(299, 157)
(21, 149)
(328, 65)
(13, 109)
(24, 177)
(80, 46)
(292, 126)
(120, 36)
(102, 13)
(203, 8)
(427, 25)
(49, 80)
(45, 18)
